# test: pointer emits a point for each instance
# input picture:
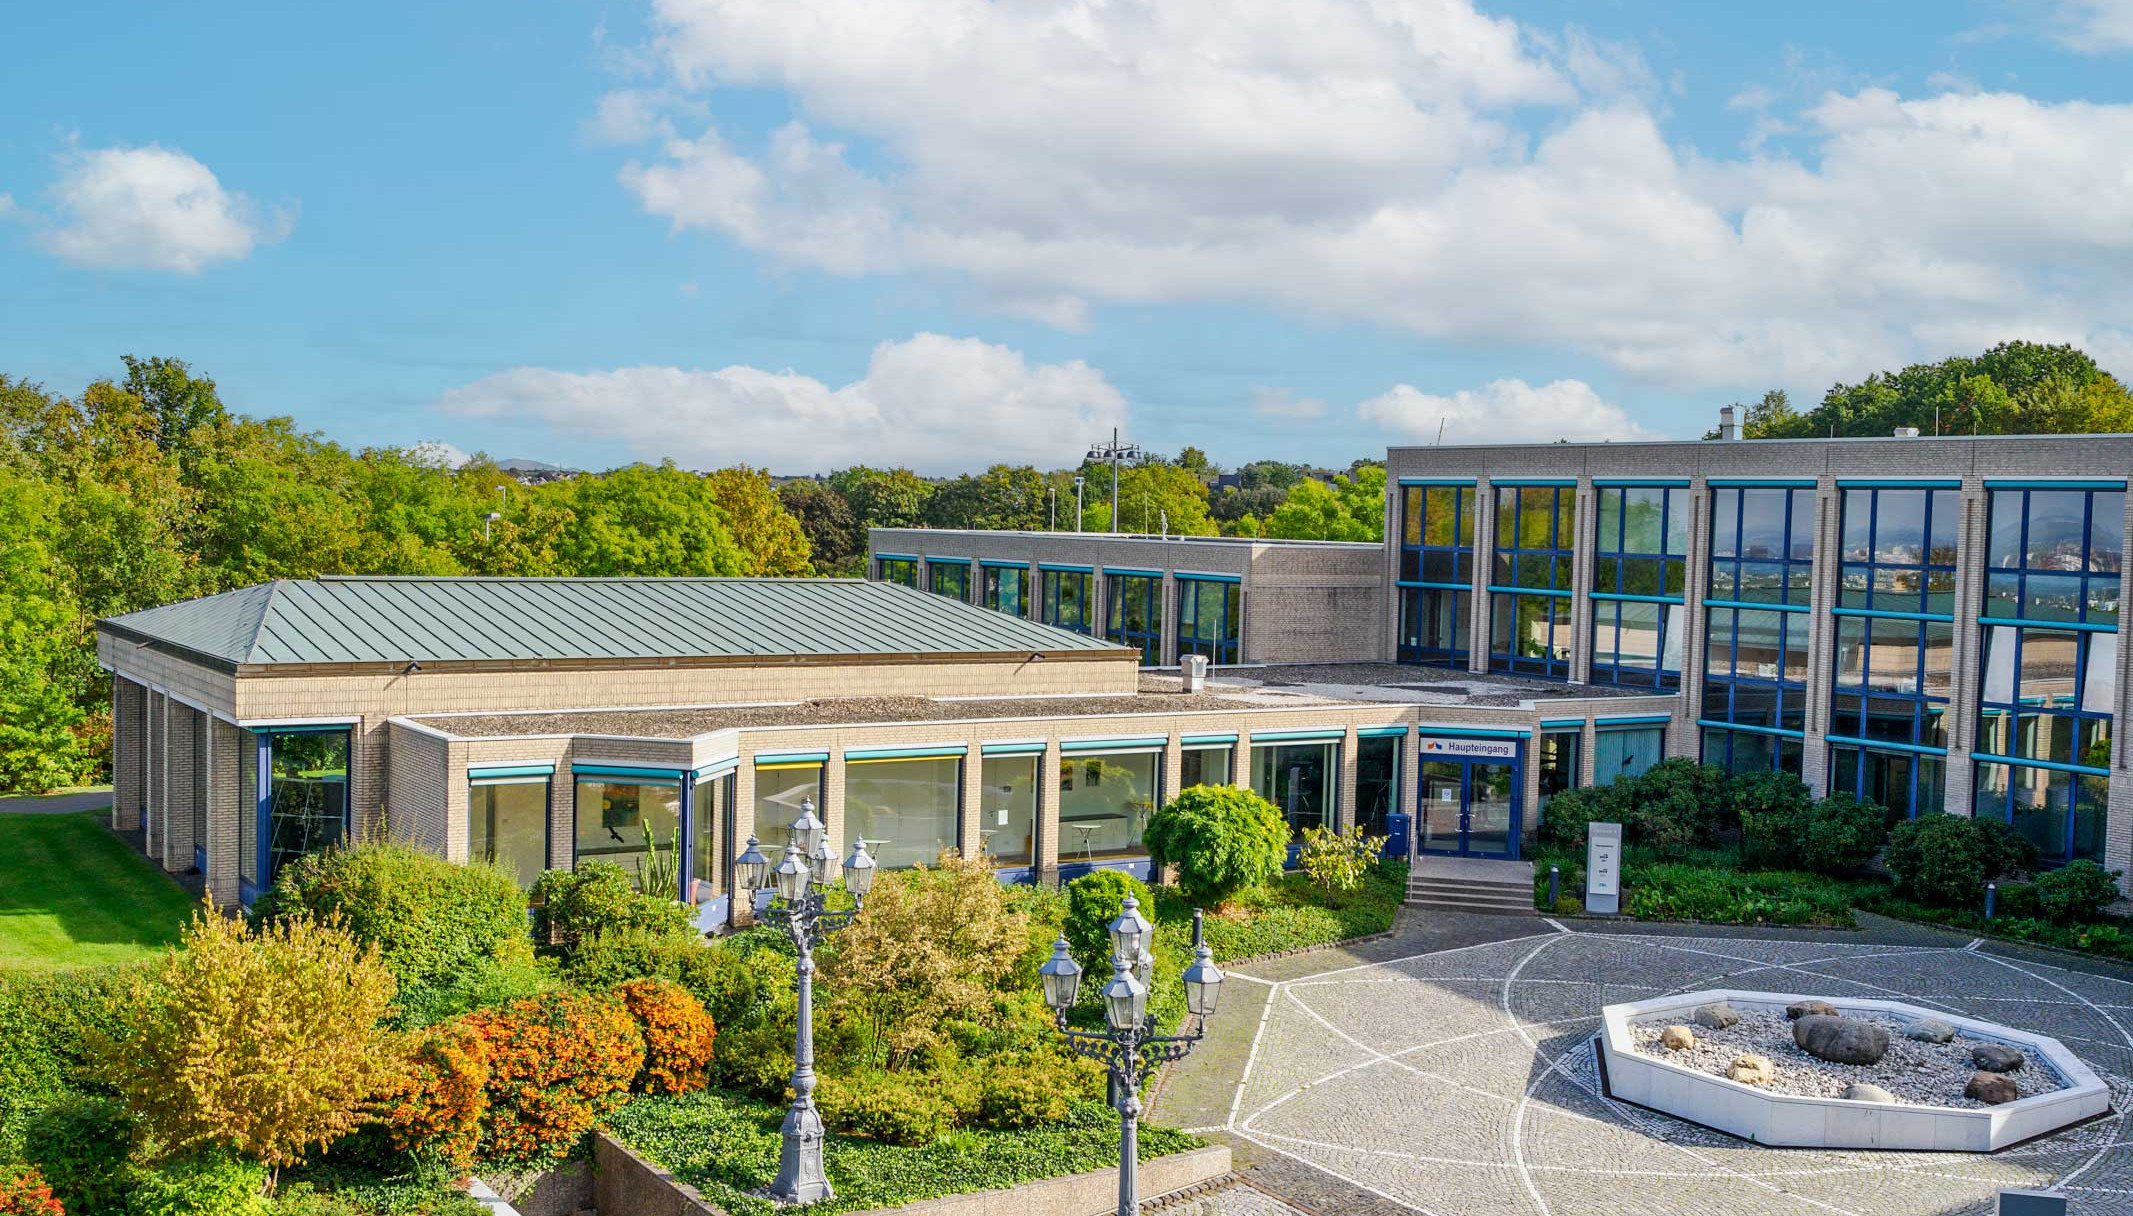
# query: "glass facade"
(1104, 803)
(1436, 573)
(1007, 809)
(1530, 581)
(1639, 580)
(908, 810)
(711, 834)
(1377, 784)
(898, 570)
(622, 821)
(2049, 685)
(948, 577)
(1006, 589)
(1210, 618)
(307, 795)
(1899, 550)
(1756, 627)
(507, 823)
(1066, 599)
(1298, 778)
(1558, 763)
(1133, 613)
(1619, 752)
(1206, 766)
(779, 789)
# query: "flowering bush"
(25, 1194)
(677, 1035)
(558, 1063)
(435, 1106)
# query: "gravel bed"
(1924, 1074)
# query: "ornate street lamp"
(801, 881)
(1129, 1048)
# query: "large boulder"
(1991, 1088)
(1716, 1016)
(1810, 1008)
(1840, 1040)
(1929, 1030)
(1996, 1057)
(1752, 1070)
(1677, 1038)
(1862, 1092)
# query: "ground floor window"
(1104, 803)
(1906, 784)
(1206, 766)
(902, 570)
(307, 795)
(1007, 809)
(507, 824)
(1298, 778)
(711, 834)
(1006, 589)
(625, 822)
(1740, 751)
(2060, 812)
(780, 788)
(1210, 618)
(949, 578)
(1133, 614)
(1530, 635)
(1626, 752)
(1377, 784)
(1066, 600)
(1434, 626)
(1558, 763)
(908, 810)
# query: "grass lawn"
(72, 894)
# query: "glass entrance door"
(1470, 808)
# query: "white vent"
(1907, 432)
(1194, 668)
(1728, 422)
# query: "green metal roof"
(398, 620)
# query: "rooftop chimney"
(1728, 423)
(1907, 432)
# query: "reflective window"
(307, 795)
(1530, 635)
(507, 823)
(1437, 560)
(1529, 617)
(1006, 589)
(624, 821)
(2061, 813)
(1210, 618)
(946, 576)
(1435, 626)
(779, 791)
(1639, 575)
(1298, 778)
(1206, 766)
(1007, 809)
(907, 810)
(1637, 643)
(1558, 763)
(1906, 784)
(1066, 600)
(1619, 752)
(1740, 751)
(1899, 550)
(1377, 783)
(1762, 545)
(2048, 694)
(1104, 803)
(1133, 614)
(710, 834)
(2054, 555)
(1755, 659)
(1893, 681)
(898, 570)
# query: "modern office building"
(1931, 622)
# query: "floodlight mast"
(1115, 451)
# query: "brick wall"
(417, 811)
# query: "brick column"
(831, 802)
(2118, 813)
(229, 801)
(1958, 794)
(563, 815)
(175, 846)
(157, 811)
(1048, 815)
(1484, 562)
(1683, 737)
(1583, 544)
(1410, 792)
(127, 700)
(1240, 761)
(1821, 636)
(1172, 777)
(1167, 627)
(971, 808)
(1351, 767)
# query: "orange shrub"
(677, 1035)
(437, 1102)
(558, 1063)
(25, 1194)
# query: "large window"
(1206, 765)
(1210, 618)
(898, 570)
(1907, 784)
(780, 787)
(507, 823)
(946, 576)
(908, 809)
(1529, 581)
(1756, 627)
(1066, 599)
(711, 838)
(2050, 666)
(1006, 589)
(1899, 550)
(1298, 778)
(1134, 612)
(1377, 784)
(1105, 799)
(1436, 573)
(1007, 809)
(623, 821)
(1639, 579)
(1625, 751)
(307, 795)
(1558, 763)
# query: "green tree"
(2015, 388)
(1351, 508)
(45, 666)
(883, 498)
(1221, 839)
(646, 521)
(1002, 497)
(771, 540)
(1151, 497)
(833, 533)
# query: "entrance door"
(1470, 808)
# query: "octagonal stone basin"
(1788, 1120)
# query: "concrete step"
(1487, 907)
(1467, 884)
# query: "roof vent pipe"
(1907, 432)
(1728, 423)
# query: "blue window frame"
(1639, 578)
(898, 570)
(1905, 783)
(1006, 589)
(1210, 618)
(1754, 688)
(1133, 613)
(1436, 573)
(1065, 599)
(949, 577)
(2060, 811)
(2053, 556)
(2047, 695)
(1530, 580)
(1898, 550)
(1762, 545)
(302, 775)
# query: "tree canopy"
(2016, 388)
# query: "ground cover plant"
(75, 895)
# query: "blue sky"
(807, 232)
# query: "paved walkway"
(56, 804)
(1449, 1071)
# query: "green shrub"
(1221, 839)
(599, 897)
(485, 984)
(436, 924)
(1093, 902)
(2017, 901)
(1939, 859)
(215, 1183)
(2001, 849)
(1843, 833)
(1339, 861)
(1677, 891)
(896, 1107)
(1570, 812)
(2075, 893)
(1773, 809)
(84, 1146)
(45, 1020)
(1676, 804)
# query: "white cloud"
(933, 403)
(2095, 27)
(1502, 411)
(152, 208)
(1364, 160)
(439, 454)
(1280, 403)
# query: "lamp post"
(1078, 480)
(1114, 452)
(801, 881)
(1129, 1047)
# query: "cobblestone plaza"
(1463, 1081)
